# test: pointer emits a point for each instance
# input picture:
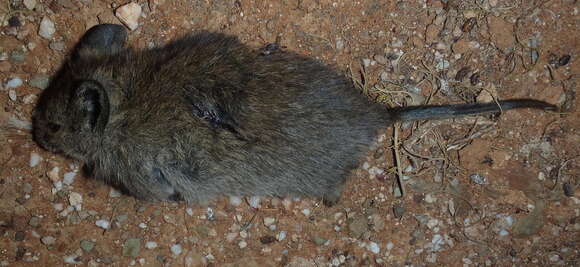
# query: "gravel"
(103, 224)
(34, 159)
(129, 15)
(132, 247)
(150, 245)
(47, 28)
(14, 83)
(176, 249)
(87, 245)
(39, 81)
(48, 240)
(76, 200)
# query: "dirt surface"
(493, 191)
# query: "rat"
(207, 116)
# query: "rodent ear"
(92, 104)
(102, 40)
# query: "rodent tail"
(434, 112)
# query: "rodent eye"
(53, 127)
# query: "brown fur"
(207, 116)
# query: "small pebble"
(281, 236)
(129, 15)
(242, 244)
(339, 44)
(47, 28)
(53, 174)
(39, 81)
(255, 202)
(58, 206)
(235, 201)
(34, 159)
(306, 212)
(29, 4)
(132, 247)
(503, 233)
(114, 193)
(478, 179)
(269, 221)
(69, 177)
(72, 259)
(176, 249)
(58, 46)
(87, 245)
(150, 245)
(14, 83)
(19, 236)
(373, 247)
(103, 224)
(142, 225)
(76, 200)
(12, 95)
(48, 240)
(430, 199)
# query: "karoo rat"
(206, 116)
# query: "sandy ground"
(493, 191)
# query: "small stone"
(114, 193)
(34, 159)
(27, 188)
(76, 200)
(235, 201)
(281, 236)
(131, 247)
(306, 212)
(34, 221)
(398, 211)
(14, 83)
(53, 174)
(29, 99)
(366, 62)
(373, 247)
(478, 179)
(150, 245)
(442, 64)
(430, 199)
(319, 241)
(58, 46)
(12, 95)
(48, 240)
(17, 57)
(381, 59)
(255, 202)
(39, 81)
(243, 244)
(269, 221)
(339, 44)
(103, 224)
(87, 245)
(129, 15)
(72, 259)
(176, 249)
(29, 4)
(69, 178)
(19, 236)
(47, 28)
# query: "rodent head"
(73, 112)
(71, 117)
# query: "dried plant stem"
(396, 146)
